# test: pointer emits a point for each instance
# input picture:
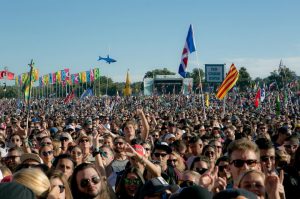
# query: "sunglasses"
(47, 153)
(240, 163)
(201, 171)
(147, 149)
(267, 158)
(61, 188)
(160, 155)
(128, 181)
(84, 182)
(15, 140)
(39, 138)
(186, 183)
(84, 140)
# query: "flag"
(88, 76)
(28, 84)
(228, 83)
(69, 97)
(46, 79)
(50, 78)
(82, 77)
(53, 78)
(262, 94)
(76, 78)
(257, 98)
(207, 99)
(277, 108)
(189, 47)
(67, 72)
(86, 93)
(63, 75)
(35, 74)
(41, 81)
(96, 73)
(4, 87)
(127, 89)
(92, 75)
(58, 76)
(17, 81)
(272, 85)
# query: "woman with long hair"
(129, 184)
(57, 178)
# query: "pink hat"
(139, 149)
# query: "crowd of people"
(156, 147)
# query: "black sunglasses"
(201, 171)
(84, 182)
(240, 163)
(160, 154)
(61, 188)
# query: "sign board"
(214, 73)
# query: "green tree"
(195, 75)
(282, 76)
(244, 80)
(154, 72)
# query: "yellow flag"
(207, 99)
(127, 89)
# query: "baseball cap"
(155, 185)
(31, 156)
(163, 146)
(139, 149)
(69, 126)
(169, 135)
(66, 135)
(53, 130)
(16, 191)
(193, 192)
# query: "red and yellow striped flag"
(228, 83)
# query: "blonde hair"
(248, 172)
(56, 147)
(34, 179)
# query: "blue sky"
(144, 35)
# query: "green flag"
(277, 105)
(28, 84)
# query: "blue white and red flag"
(189, 47)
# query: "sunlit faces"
(15, 140)
(89, 182)
(66, 166)
(267, 159)
(161, 156)
(57, 182)
(200, 167)
(254, 182)
(119, 145)
(241, 161)
(76, 154)
(129, 131)
(173, 160)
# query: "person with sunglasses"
(243, 155)
(46, 153)
(57, 179)
(161, 153)
(87, 182)
(129, 184)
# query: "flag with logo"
(229, 81)
(96, 73)
(189, 47)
